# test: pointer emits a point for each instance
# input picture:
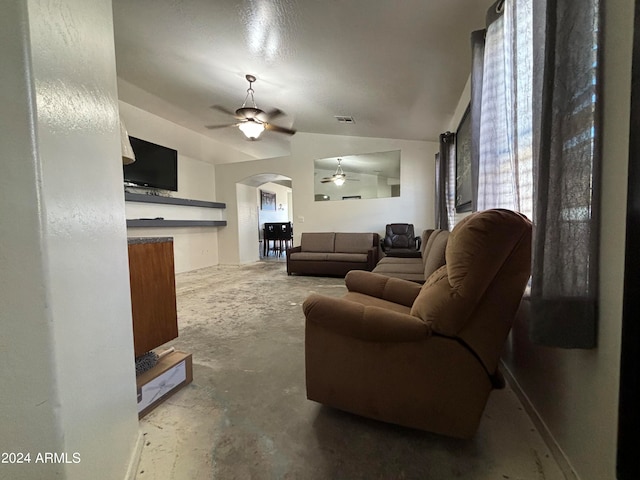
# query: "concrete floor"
(245, 416)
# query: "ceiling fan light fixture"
(251, 129)
(252, 120)
(339, 181)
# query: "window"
(505, 167)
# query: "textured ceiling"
(397, 67)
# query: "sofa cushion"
(401, 261)
(384, 268)
(418, 269)
(347, 257)
(330, 257)
(353, 242)
(313, 256)
(317, 241)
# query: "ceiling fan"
(251, 120)
(339, 177)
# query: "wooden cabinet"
(153, 292)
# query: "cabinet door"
(153, 295)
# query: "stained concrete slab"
(246, 416)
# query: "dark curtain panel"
(438, 191)
(564, 288)
(444, 187)
(475, 110)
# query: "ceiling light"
(251, 129)
(338, 178)
(252, 120)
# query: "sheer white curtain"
(541, 154)
(505, 173)
(451, 185)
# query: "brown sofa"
(423, 356)
(432, 248)
(331, 253)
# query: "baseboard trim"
(134, 461)
(558, 455)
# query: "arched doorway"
(255, 208)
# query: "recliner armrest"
(394, 290)
(369, 323)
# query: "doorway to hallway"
(262, 200)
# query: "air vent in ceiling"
(344, 119)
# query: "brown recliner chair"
(423, 356)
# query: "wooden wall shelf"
(160, 222)
(175, 223)
(141, 197)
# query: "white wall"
(67, 345)
(247, 228)
(415, 205)
(576, 391)
(193, 247)
(282, 200)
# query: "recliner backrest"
(433, 254)
(424, 239)
(475, 295)
(399, 235)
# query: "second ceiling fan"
(251, 120)
(339, 177)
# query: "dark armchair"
(400, 240)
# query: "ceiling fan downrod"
(250, 92)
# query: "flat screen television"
(155, 166)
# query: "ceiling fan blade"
(327, 180)
(276, 128)
(274, 113)
(222, 109)
(214, 127)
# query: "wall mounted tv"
(155, 166)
